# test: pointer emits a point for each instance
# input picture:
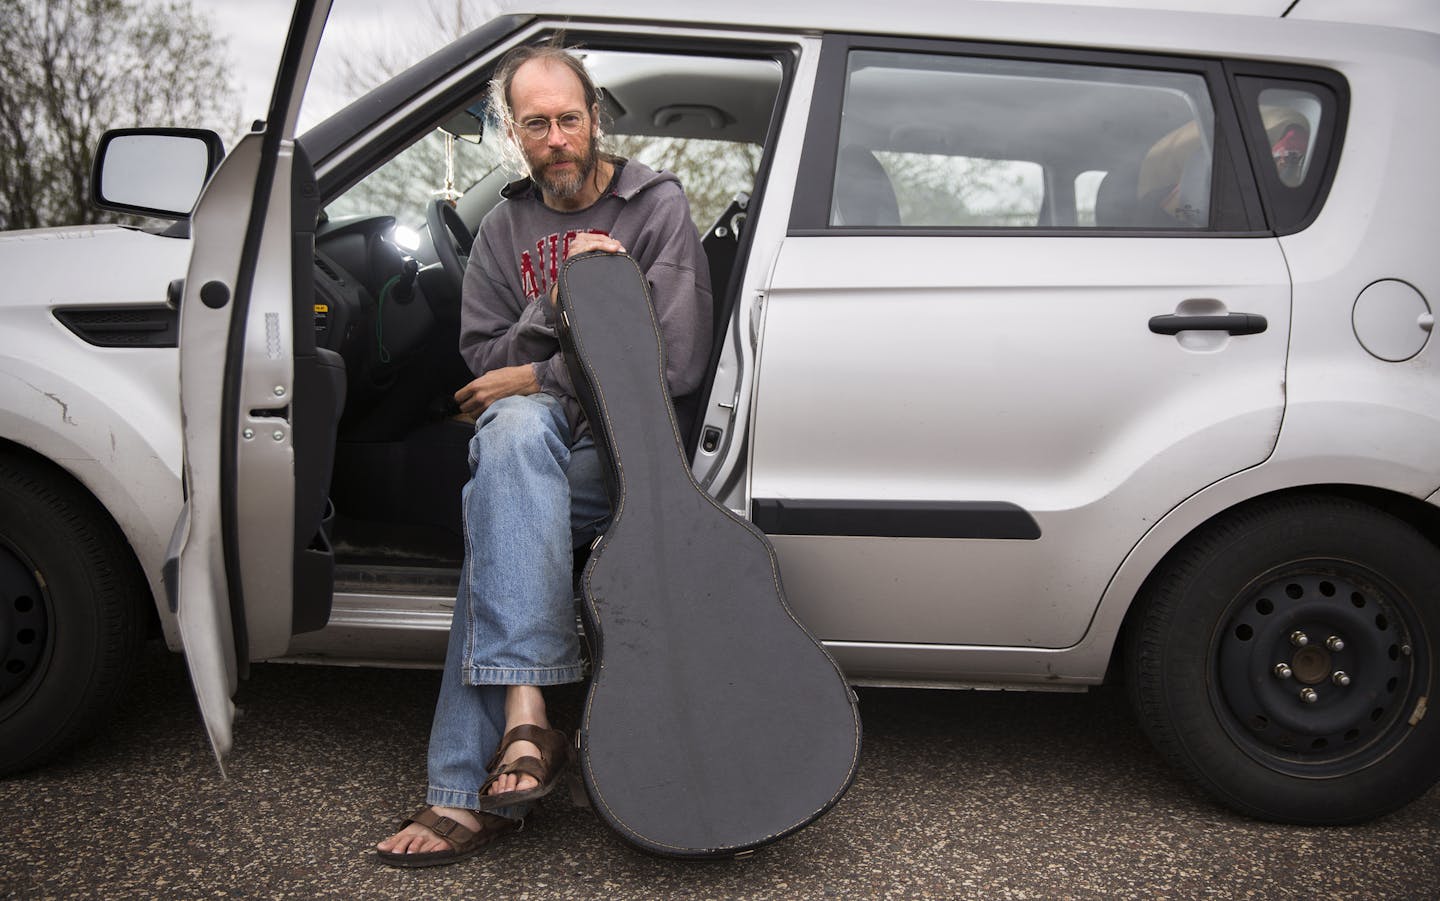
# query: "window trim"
(1288, 211)
(1236, 210)
(363, 133)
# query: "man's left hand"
(506, 381)
(585, 242)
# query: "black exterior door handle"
(1234, 323)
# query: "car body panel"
(235, 530)
(1020, 370)
(106, 415)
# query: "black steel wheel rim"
(1317, 666)
(24, 625)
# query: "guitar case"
(713, 722)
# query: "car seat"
(864, 194)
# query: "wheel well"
(25, 457)
(1423, 517)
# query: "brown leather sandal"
(554, 754)
(462, 840)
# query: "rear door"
(1026, 305)
(250, 440)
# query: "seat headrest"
(863, 192)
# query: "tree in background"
(406, 184)
(70, 69)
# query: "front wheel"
(71, 626)
(1284, 657)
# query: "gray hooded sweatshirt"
(506, 318)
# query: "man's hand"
(588, 241)
(584, 243)
(506, 381)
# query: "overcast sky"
(256, 32)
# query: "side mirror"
(153, 171)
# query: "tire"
(71, 620)
(1216, 622)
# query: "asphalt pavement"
(959, 795)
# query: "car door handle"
(1234, 323)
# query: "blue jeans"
(531, 500)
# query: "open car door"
(248, 563)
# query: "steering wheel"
(451, 238)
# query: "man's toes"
(395, 842)
(411, 840)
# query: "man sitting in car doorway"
(536, 490)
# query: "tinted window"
(1292, 120)
(1295, 128)
(939, 141)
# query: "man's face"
(560, 163)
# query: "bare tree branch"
(69, 69)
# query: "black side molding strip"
(895, 519)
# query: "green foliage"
(949, 191)
(711, 172)
(70, 69)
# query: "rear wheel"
(1285, 657)
(70, 622)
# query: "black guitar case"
(713, 723)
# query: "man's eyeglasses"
(537, 128)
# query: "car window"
(1295, 127)
(979, 191)
(1087, 189)
(701, 118)
(403, 186)
(1292, 120)
(929, 140)
(711, 172)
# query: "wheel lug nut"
(1282, 671)
(1309, 696)
(1340, 677)
(1299, 639)
(1335, 643)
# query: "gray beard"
(566, 186)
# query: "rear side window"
(939, 141)
(1292, 120)
(1293, 129)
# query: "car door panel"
(233, 549)
(897, 370)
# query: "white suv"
(1051, 342)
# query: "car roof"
(1418, 15)
(958, 17)
(932, 16)
(1176, 26)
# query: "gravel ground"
(960, 794)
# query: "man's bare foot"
(524, 704)
(517, 782)
(417, 839)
